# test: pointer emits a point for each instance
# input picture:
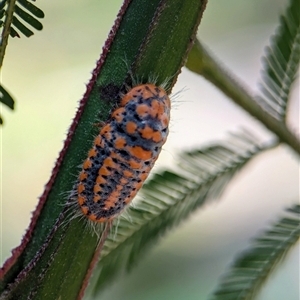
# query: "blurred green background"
(47, 74)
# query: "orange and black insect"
(123, 153)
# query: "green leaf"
(13, 32)
(32, 8)
(170, 197)
(28, 18)
(2, 13)
(251, 268)
(281, 62)
(19, 25)
(2, 4)
(6, 98)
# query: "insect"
(123, 153)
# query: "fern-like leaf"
(251, 268)
(11, 26)
(32, 8)
(170, 197)
(27, 15)
(281, 63)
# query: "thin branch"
(209, 68)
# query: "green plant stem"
(201, 62)
(6, 29)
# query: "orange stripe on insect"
(140, 153)
(134, 164)
(100, 180)
(85, 210)
(80, 188)
(83, 175)
(87, 164)
(120, 143)
(142, 110)
(108, 162)
(92, 152)
(81, 200)
(98, 140)
(149, 133)
(97, 198)
(104, 171)
(131, 127)
(128, 174)
(118, 114)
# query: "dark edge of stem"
(32, 263)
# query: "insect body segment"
(124, 153)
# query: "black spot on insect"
(109, 92)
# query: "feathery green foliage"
(169, 197)
(252, 267)
(24, 10)
(281, 63)
(16, 15)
